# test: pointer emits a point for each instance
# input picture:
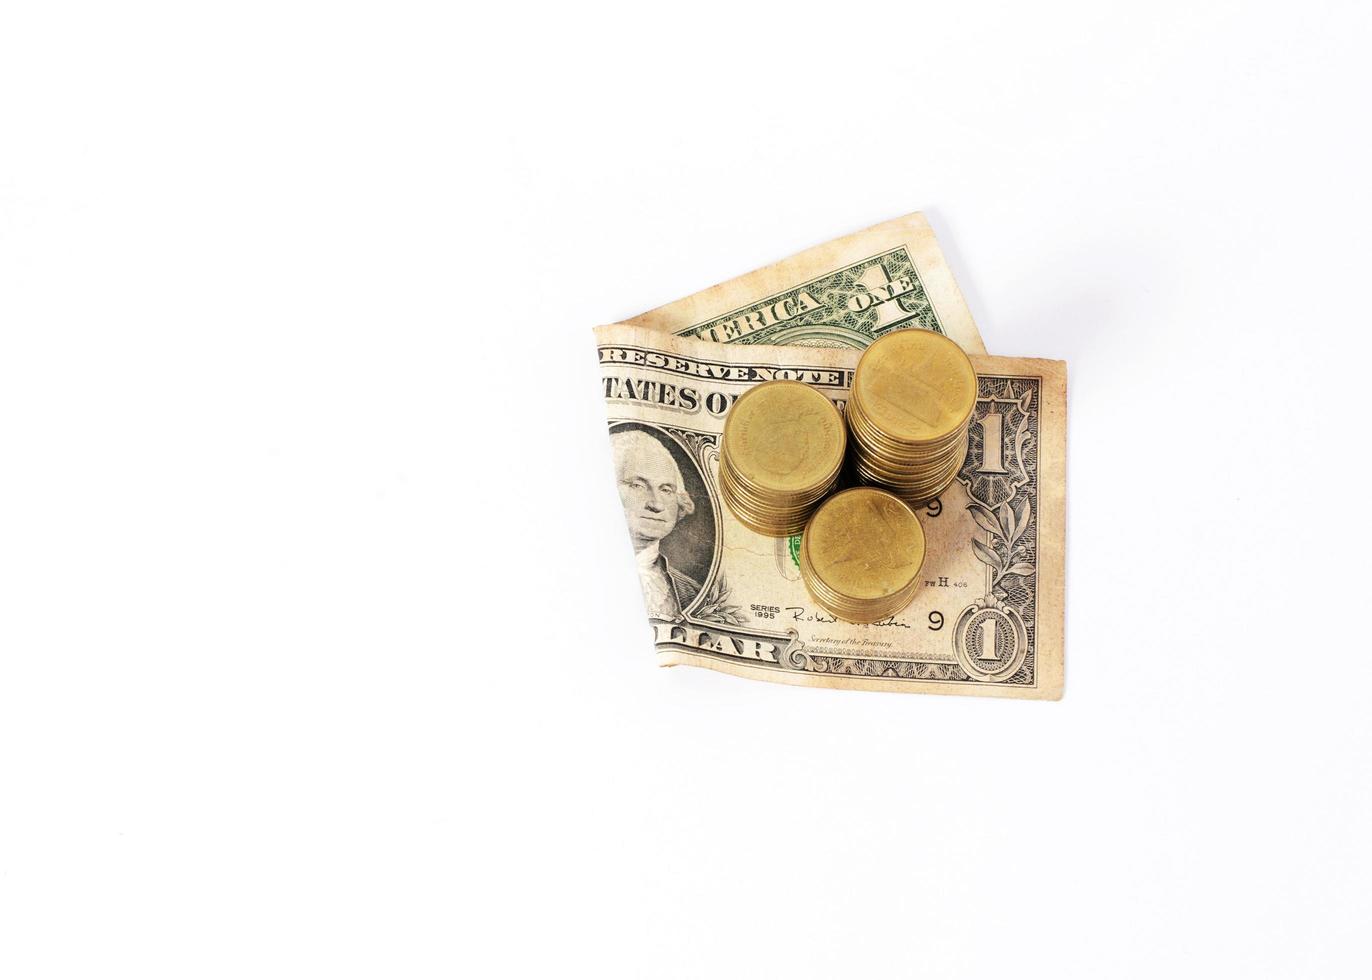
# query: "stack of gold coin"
(912, 399)
(861, 555)
(782, 451)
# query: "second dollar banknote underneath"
(988, 616)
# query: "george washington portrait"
(670, 521)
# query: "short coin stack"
(861, 555)
(913, 394)
(782, 451)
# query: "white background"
(323, 651)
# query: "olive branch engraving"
(1007, 554)
(715, 607)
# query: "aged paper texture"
(988, 616)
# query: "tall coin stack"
(861, 555)
(782, 451)
(912, 398)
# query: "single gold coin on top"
(915, 386)
(784, 437)
(867, 546)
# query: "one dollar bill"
(844, 293)
(988, 616)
